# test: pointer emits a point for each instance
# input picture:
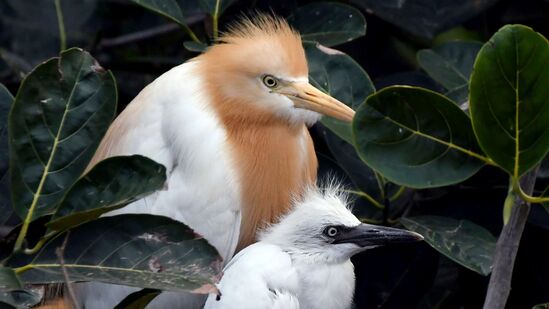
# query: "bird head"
(321, 229)
(258, 67)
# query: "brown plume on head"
(264, 42)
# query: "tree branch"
(507, 247)
(60, 251)
(147, 33)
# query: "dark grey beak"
(366, 235)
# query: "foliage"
(462, 116)
(61, 111)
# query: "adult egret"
(231, 128)
(304, 260)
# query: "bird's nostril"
(374, 231)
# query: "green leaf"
(509, 98)
(195, 46)
(328, 23)
(541, 306)
(8, 279)
(20, 299)
(363, 177)
(6, 211)
(59, 116)
(12, 294)
(416, 138)
(424, 18)
(339, 75)
(111, 184)
(131, 249)
(138, 300)
(167, 8)
(450, 64)
(466, 243)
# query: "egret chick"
(304, 260)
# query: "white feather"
(260, 276)
(177, 127)
(293, 266)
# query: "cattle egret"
(304, 260)
(230, 128)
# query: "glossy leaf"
(8, 279)
(138, 300)
(111, 184)
(167, 8)
(132, 249)
(363, 177)
(19, 299)
(466, 243)
(509, 96)
(59, 116)
(416, 138)
(12, 294)
(424, 18)
(328, 23)
(541, 306)
(339, 75)
(6, 211)
(451, 64)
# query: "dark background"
(138, 46)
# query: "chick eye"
(270, 81)
(331, 231)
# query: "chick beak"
(367, 235)
(306, 96)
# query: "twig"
(147, 33)
(507, 247)
(60, 251)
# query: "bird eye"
(331, 231)
(270, 81)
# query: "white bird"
(230, 126)
(304, 260)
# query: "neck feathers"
(275, 163)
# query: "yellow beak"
(305, 96)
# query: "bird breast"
(326, 285)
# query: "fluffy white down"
(290, 267)
(177, 128)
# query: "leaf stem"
(215, 20)
(23, 269)
(190, 33)
(61, 24)
(367, 197)
(397, 194)
(380, 184)
(21, 237)
(39, 244)
(525, 196)
(370, 221)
